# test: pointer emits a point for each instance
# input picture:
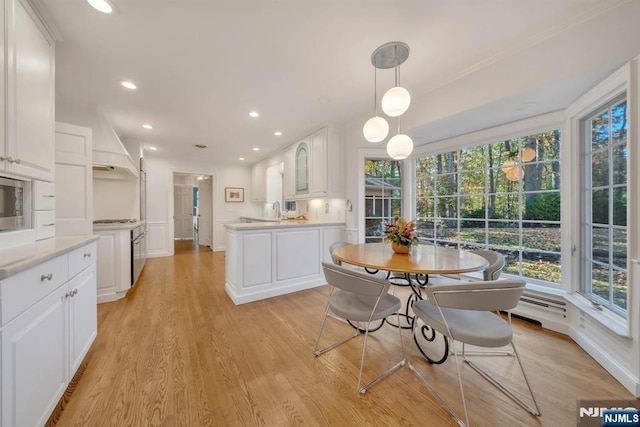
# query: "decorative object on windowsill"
(401, 233)
(395, 101)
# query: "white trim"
(540, 123)
(619, 372)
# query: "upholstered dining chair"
(332, 248)
(464, 312)
(496, 263)
(358, 297)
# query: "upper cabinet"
(27, 145)
(313, 166)
(258, 182)
(302, 169)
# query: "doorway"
(192, 212)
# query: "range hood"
(110, 158)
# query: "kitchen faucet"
(276, 207)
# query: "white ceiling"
(202, 65)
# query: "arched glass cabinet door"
(302, 169)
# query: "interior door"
(183, 212)
(205, 209)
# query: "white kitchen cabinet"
(29, 99)
(289, 186)
(264, 260)
(74, 180)
(43, 203)
(49, 322)
(258, 182)
(274, 183)
(83, 315)
(114, 264)
(314, 166)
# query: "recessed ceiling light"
(241, 158)
(200, 146)
(129, 85)
(277, 133)
(101, 5)
(147, 126)
(256, 149)
(254, 114)
(153, 148)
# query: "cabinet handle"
(16, 161)
(48, 225)
(50, 196)
(87, 255)
(73, 292)
(47, 277)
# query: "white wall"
(116, 199)
(160, 199)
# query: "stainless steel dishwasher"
(138, 252)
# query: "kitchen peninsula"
(266, 259)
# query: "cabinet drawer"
(44, 196)
(21, 291)
(45, 224)
(81, 258)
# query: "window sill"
(609, 320)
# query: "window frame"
(543, 126)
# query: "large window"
(383, 195)
(503, 196)
(604, 207)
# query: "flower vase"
(400, 249)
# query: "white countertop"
(117, 226)
(21, 258)
(281, 224)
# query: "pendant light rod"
(375, 91)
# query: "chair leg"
(443, 402)
(317, 351)
(363, 390)
(535, 411)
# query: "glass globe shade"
(508, 166)
(399, 147)
(396, 101)
(515, 173)
(376, 129)
(528, 154)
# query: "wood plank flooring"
(177, 352)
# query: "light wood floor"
(177, 352)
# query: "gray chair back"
(354, 281)
(332, 248)
(494, 295)
(496, 263)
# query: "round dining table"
(421, 261)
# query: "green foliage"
(543, 207)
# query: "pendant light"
(376, 128)
(400, 146)
(394, 102)
(397, 99)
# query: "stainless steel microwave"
(12, 197)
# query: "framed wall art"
(233, 194)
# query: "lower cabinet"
(43, 346)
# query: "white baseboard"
(271, 291)
(620, 373)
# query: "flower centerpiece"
(401, 233)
